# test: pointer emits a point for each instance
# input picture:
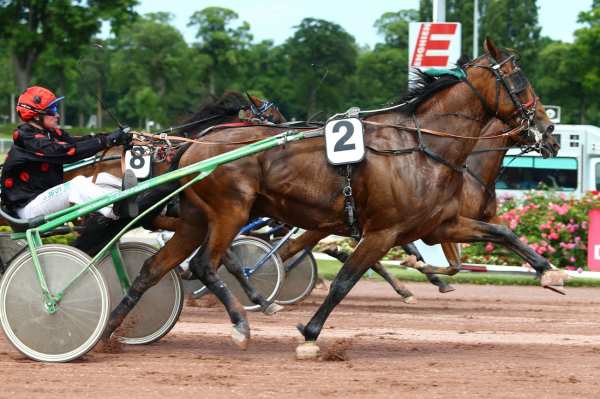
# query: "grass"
(329, 268)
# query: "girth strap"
(350, 205)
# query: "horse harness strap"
(420, 147)
(510, 133)
(97, 165)
(350, 204)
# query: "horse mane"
(423, 86)
(228, 105)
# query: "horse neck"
(455, 110)
(486, 165)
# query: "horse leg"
(443, 286)
(187, 238)
(307, 239)
(235, 267)
(470, 230)
(168, 223)
(407, 296)
(204, 264)
(372, 247)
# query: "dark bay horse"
(399, 198)
(479, 198)
(231, 108)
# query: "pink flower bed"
(555, 226)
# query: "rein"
(510, 133)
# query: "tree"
(153, 73)
(393, 26)
(29, 28)
(456, 11)
(222, 43)
(7, 87)
(322, 60)
(513, 24)
(381, 77)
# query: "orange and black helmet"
(35, 101)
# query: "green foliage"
(322, 58)
(393, 26)
(223, 44)
(513, 24)
(382, 76)
(152, 69)
(28, 29)
(147, 71)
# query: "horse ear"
(253, 100)
(491, 48)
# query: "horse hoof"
(272, 309)
(554, 278)
(307, 351)
(240, 336)
(447, 288)
(411, 300)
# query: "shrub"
(554, 225)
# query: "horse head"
(265, 110)
(501, 86)
(539, 135)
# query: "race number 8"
(344, 141)
(137, 160)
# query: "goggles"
(52, 108)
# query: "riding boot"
(99, 230)
(127, 208)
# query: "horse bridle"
(514, 83)
(259, 112)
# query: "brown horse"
(479, 199)
(229, 108)
(399, 198)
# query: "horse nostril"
(550, 129)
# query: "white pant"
(76, 191)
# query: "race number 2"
(344, 141)
(138, 160)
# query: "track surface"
(481, 341)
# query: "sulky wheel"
(158, 310)
(300, 278)
(80, 317)
(266, 280)
(9, 249)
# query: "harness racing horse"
(399, 198)
(214, 114)
(479, 198)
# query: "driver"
(32, 177)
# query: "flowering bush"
(554, 225)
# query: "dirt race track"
(478, 342)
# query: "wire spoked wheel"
(300, 278)
(80, 317)
(159, 308)
(266, 279)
